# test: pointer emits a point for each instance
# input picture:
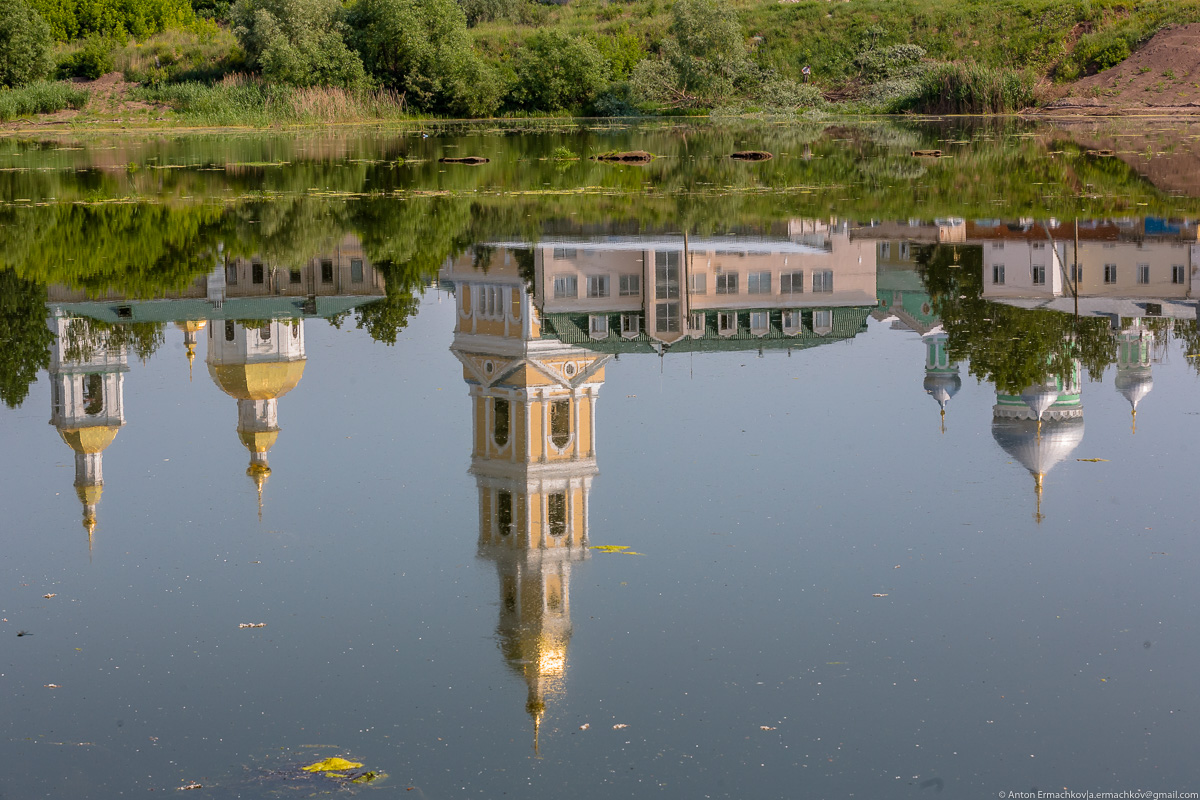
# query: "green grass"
(241, 100)
(40, 97)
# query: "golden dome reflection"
(257, 381)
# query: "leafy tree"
(422, 48)
(24, 45)
(72, 19)
(1007, 346)
(25, 339)
(703, 60)
(297, 42)
(557, 72)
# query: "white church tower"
(87, 375)
(256, 364)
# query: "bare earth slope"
(1162, 77)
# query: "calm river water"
(855, 472)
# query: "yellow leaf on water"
(331, 764)
(610, 548)
(1092, 459)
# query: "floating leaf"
(1092, 459)
(610, 548)
(331, 764)
(877, 594)
(252, 624)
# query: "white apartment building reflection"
(667, 292)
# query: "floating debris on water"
(252, 624)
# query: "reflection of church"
(87, 375)
(533, 404)
(1041, 426)
(256, 363)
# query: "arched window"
(504, 512)
(560, 423)
(500, 421)
(556, 513)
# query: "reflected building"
(678, 293)
(256, 363)
(1041, 426)
(87, 374)
(942, 380)
(533, 456)
(1112, 267)
(1134, 376)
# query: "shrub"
(202, 52)
(90, 61)
(875, 65)
(477, 11)
(618, 101)
(24, 45)
(422, 49)
(40, 97)
(1099, 51)
(115, 19)
(701, 62)
(557, 72)
(297, 42)
(788, 95)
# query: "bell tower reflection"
(87, 378)
(257, 362)
(533, 456)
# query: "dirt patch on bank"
(109, 102)
(1162, 77)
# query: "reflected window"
(295, 329)
(504, 513)
(792, 282)
(699, 284)
(500, 421)
(758, 283)
(666, 276)
(791, 320)
(294, 276)
(93, 393)
(1178, 273)
(885, 250)
(823, 280)
(264, 333)
(1143, 273)
(256, 273)
(631, 324)
(326, 270)
(566, 286)
(229, 330)
(630, 285)
(1039, 274)
(564, 253)
(726, 322)
(597, 286)
(356, 270)
(598, 325)
(697, 323)
(231, 274)
(1110, 273)
(727, 283)
(666, 317)
(1076, 273)
(758, 321)
(560, 423)
(905, 250)
(556, 513)
(822, 321)
(998, 274)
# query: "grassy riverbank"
(486, 58)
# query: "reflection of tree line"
(1013, 347)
